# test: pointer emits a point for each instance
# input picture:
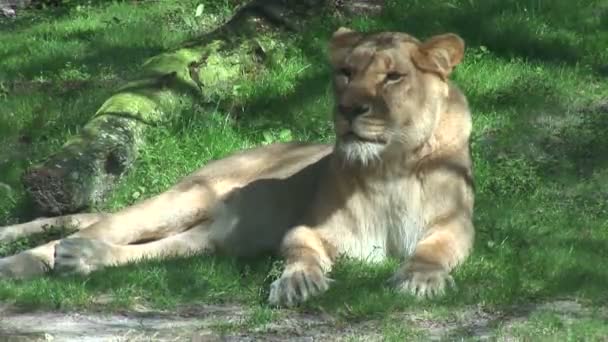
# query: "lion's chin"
(360, 152)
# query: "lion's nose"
(351, 112)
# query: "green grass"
(533, 75)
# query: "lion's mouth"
(352, 136)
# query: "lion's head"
(390, 90)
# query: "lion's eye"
(393, 77)
(345, 72)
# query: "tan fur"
(397, 183)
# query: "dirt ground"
(200, 324)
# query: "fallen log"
(88, 166)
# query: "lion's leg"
(168, 213)
(76, 221)
(308, 258)
(82, 256)
(427, 272)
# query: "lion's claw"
(425, 283)
(296, 285)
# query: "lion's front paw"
(83, 256)
(297, 284)
(422, 280)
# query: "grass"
(534, 75)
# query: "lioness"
(397, 182)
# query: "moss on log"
(88, 165)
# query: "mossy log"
(87, 167)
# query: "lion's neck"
(370, 175)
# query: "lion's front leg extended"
(307, 263)
(427, 272)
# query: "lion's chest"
(388, 222)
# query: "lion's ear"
(344, 36)
(439, 54)
(341, 39)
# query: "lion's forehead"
(378, 55)
(388, 40)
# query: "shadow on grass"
(95, 62)
(558, 141)
(556, 31)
